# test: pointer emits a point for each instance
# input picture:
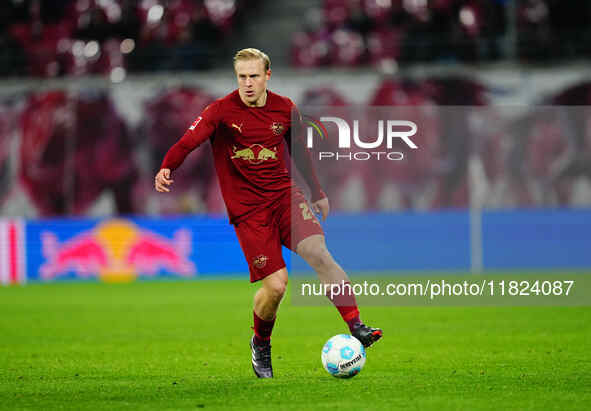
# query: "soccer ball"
(343, 356)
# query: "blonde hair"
(252, 53)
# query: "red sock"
(344, 299)
(262, 330)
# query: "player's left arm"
(303, 161)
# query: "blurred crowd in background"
(68, 158)
(57, 157)
(358, 32)
(49, 38)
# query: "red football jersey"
(249, 146)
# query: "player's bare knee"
(318, 257)
(277, 290)
(276, 287)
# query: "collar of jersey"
(247, 106)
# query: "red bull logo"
(255, 154)
(116, 251)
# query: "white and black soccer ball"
(343, 356)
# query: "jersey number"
(306, 213)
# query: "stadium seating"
(443, 30)
(67, 158)
(6, 132)
(166, 118)
(535, 159)
(74, 37)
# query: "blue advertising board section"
(516, 239)
(123, 249)
(398, 241)
(546, 239)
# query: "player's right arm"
(201, 129)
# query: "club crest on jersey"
(255, 154)
(277, 128)
(260, 261)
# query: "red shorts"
(286, 222)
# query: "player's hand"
(163, 180)
(321, 206)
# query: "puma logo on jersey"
(239, 128)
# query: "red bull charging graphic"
(115, 250)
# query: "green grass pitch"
(184, 346)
